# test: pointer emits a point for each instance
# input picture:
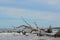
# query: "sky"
(43, 12)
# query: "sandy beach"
(16, 36)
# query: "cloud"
(17, 13)
(51, 3)
(48, 2)
(7, 0)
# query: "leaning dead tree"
(29, 26)
(23, 31)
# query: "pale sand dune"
(17, 36)
(55, 38)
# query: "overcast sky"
(43, 12)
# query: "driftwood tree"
(49, 30)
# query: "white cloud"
(49, 2)
(17, 13)
(7, 0)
